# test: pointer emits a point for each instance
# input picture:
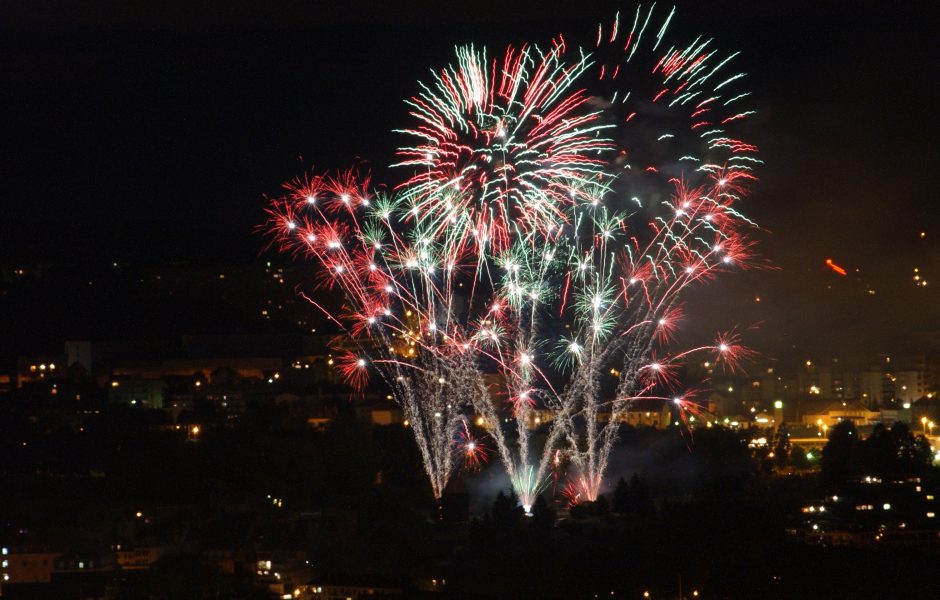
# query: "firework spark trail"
(542, 191)
(704, 170)
(623, 267)
(623, 276)
(399, 305)
(628, 309)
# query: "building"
(27, 566)
(642, 413)
(878, 387)
(909, 386)
(391, 415)
(141, 557)
(872, 512)
(874, 387)
(283, 577)
(247, 368)
(926, 407)
(88, 571)
(135, 391)
(78, 353)
(76, 563)
(347, 588)
(842, 410)
(37, 369)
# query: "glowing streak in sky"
(835, 267)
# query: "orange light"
(835, 267)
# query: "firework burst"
(502, 146)
(399, 305)
(474, 453)
(557, 206)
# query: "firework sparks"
(502, 147)
(475, 454)
(400, 307)
(541, 190)
(581, 489)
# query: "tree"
(506, 510)
(840, 456)
(798, 458)
(622, 497)
(601, 505)
(632, 498)
(895, 452)
(543, 517)
(782, 446)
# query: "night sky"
(145, 132)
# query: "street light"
(923, 421)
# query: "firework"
(580, 490)
(475, 453)
(502, 146)
(675, 107)
(557, 206)
(399, 306)
(609, 253)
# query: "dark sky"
(146, 131)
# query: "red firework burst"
(474, 452)
(354, 368)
